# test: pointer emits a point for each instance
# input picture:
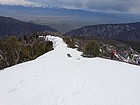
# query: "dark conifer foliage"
(92, 48)
(14, 50)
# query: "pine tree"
(92, 48)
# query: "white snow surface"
(56, 79)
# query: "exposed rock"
(129, 31)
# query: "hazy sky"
(130, 6)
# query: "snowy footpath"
(56, 79)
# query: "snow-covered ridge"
(19, 3)
(26, 4)
(57, 41)
(60, 49)
(56, 79)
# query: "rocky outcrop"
(129, 31)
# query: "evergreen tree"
(15, 50)
(92, 48)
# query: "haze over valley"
(63, 19)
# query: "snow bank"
(56, 79)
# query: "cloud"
(96, 5)
(130, 6)
(135, 8)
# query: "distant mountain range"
(64, 20)
(10, 26)
(130, 31)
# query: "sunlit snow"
(56, 79)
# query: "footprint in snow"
(83, 83)
(60, 101)
(12, 90)
(21, 81)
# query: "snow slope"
(55, 79)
